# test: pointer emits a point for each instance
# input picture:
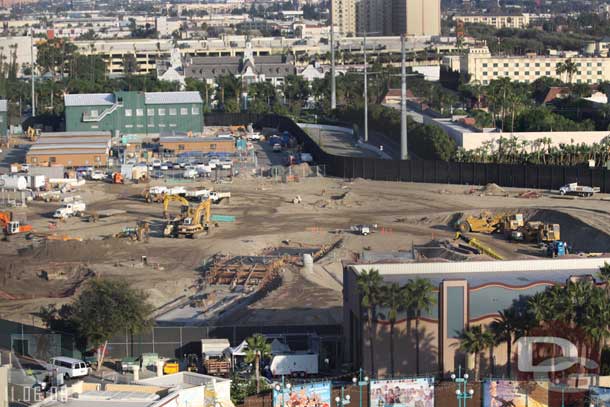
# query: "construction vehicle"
(70, 209)
(538, 232)
(198, 222)
(33, 134)
(363, 230)
(12, 227)
(486, 222)
(140, 233)
(575, 189)
(479, 245)
(511, 223)
(192, 363)
(171, 366)
(171, 227)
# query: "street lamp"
(344, 400)
(361, 382)
(282, 388)
(462, 394)
(563, 392)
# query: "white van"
(69, 367)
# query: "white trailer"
(295, 364)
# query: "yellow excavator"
(184, 210)
(33, 134)
(193, 225)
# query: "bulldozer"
(12, 227)
(488, 222)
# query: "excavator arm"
(171, 198)
(206, 208)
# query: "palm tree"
(568, 67)
(394, 299)
(604, 275)
(421, 299)
(369, 284)
(490, 341)
(504, 327)
(473, 341)
(258, 349)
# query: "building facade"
(518, 21)
(466, 294)
(419, 18)
(148, 113)
(484, 67)
(181, 144)
(343, 17)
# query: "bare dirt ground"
(406, 214)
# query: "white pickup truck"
(70, 209)
(203, 194)
(575, 189)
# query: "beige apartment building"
(518, 21)
(343, 14)
(416, 17)
(484, 67)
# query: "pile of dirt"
(302, 170)
(73, 251)
(345, 200)
(493, 190)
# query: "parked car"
(277, 148)
(253, 136)
(156, 163)
(190, 173)
(164, 167)
(69, 367)
(97, 176)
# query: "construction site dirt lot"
(37, 274)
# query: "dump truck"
(70, 209)
(215, 362)
(580, 190)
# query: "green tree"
(258, 349)
(395, 300)
(108, 307)
(420, 294)
(473, 341)
(567, 67)
(369, 285)
(130, 64)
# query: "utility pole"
(333, 84)
(366, 96)
(404, 151)
(32, 73)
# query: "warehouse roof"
(3, 105)
(158, 98)
(67, 134)
(69, 152)
(73, 140)
(69, 146)
(89, 99)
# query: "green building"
(135, 112)
(3, 119)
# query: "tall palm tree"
(567, 67)
(473, 341)
(369, 284)
(394, 299)
(490, 341)
(258, 349)
(421, 299)
(504, 328)
(604, 275)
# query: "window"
(139, 112)
(537, 73)
(161, 124)
(172, 111)
(139, 126)
(52, 159)
(548, 64)
(94, 113)
(128, 113)
(516, 73)
(588, 72)
(184, 111)
(95, 126)
(151, 125)
(495, 74)
(129, 126)
(588, 63)
(599, 64)
(195, 110)
(505, 65)
(150, 112)
(172, 125)
(485, 65)
(537, 64)
(599, 72)
(495, 65)
(485, 73)
(516, 64)
(34, 160)
(180, 146)
(212, 146)
(527, 73)
(161, 112)
(548, 73)
(527, 64)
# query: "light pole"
(563, 392)
(366, 95)
(361, 382)
(333, 84)
(282, 388)
(344, 400)
(404, 150)
(461, 392)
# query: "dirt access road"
(266, 217)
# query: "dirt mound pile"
(302, 170)
(493, 190)
(73, 251)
